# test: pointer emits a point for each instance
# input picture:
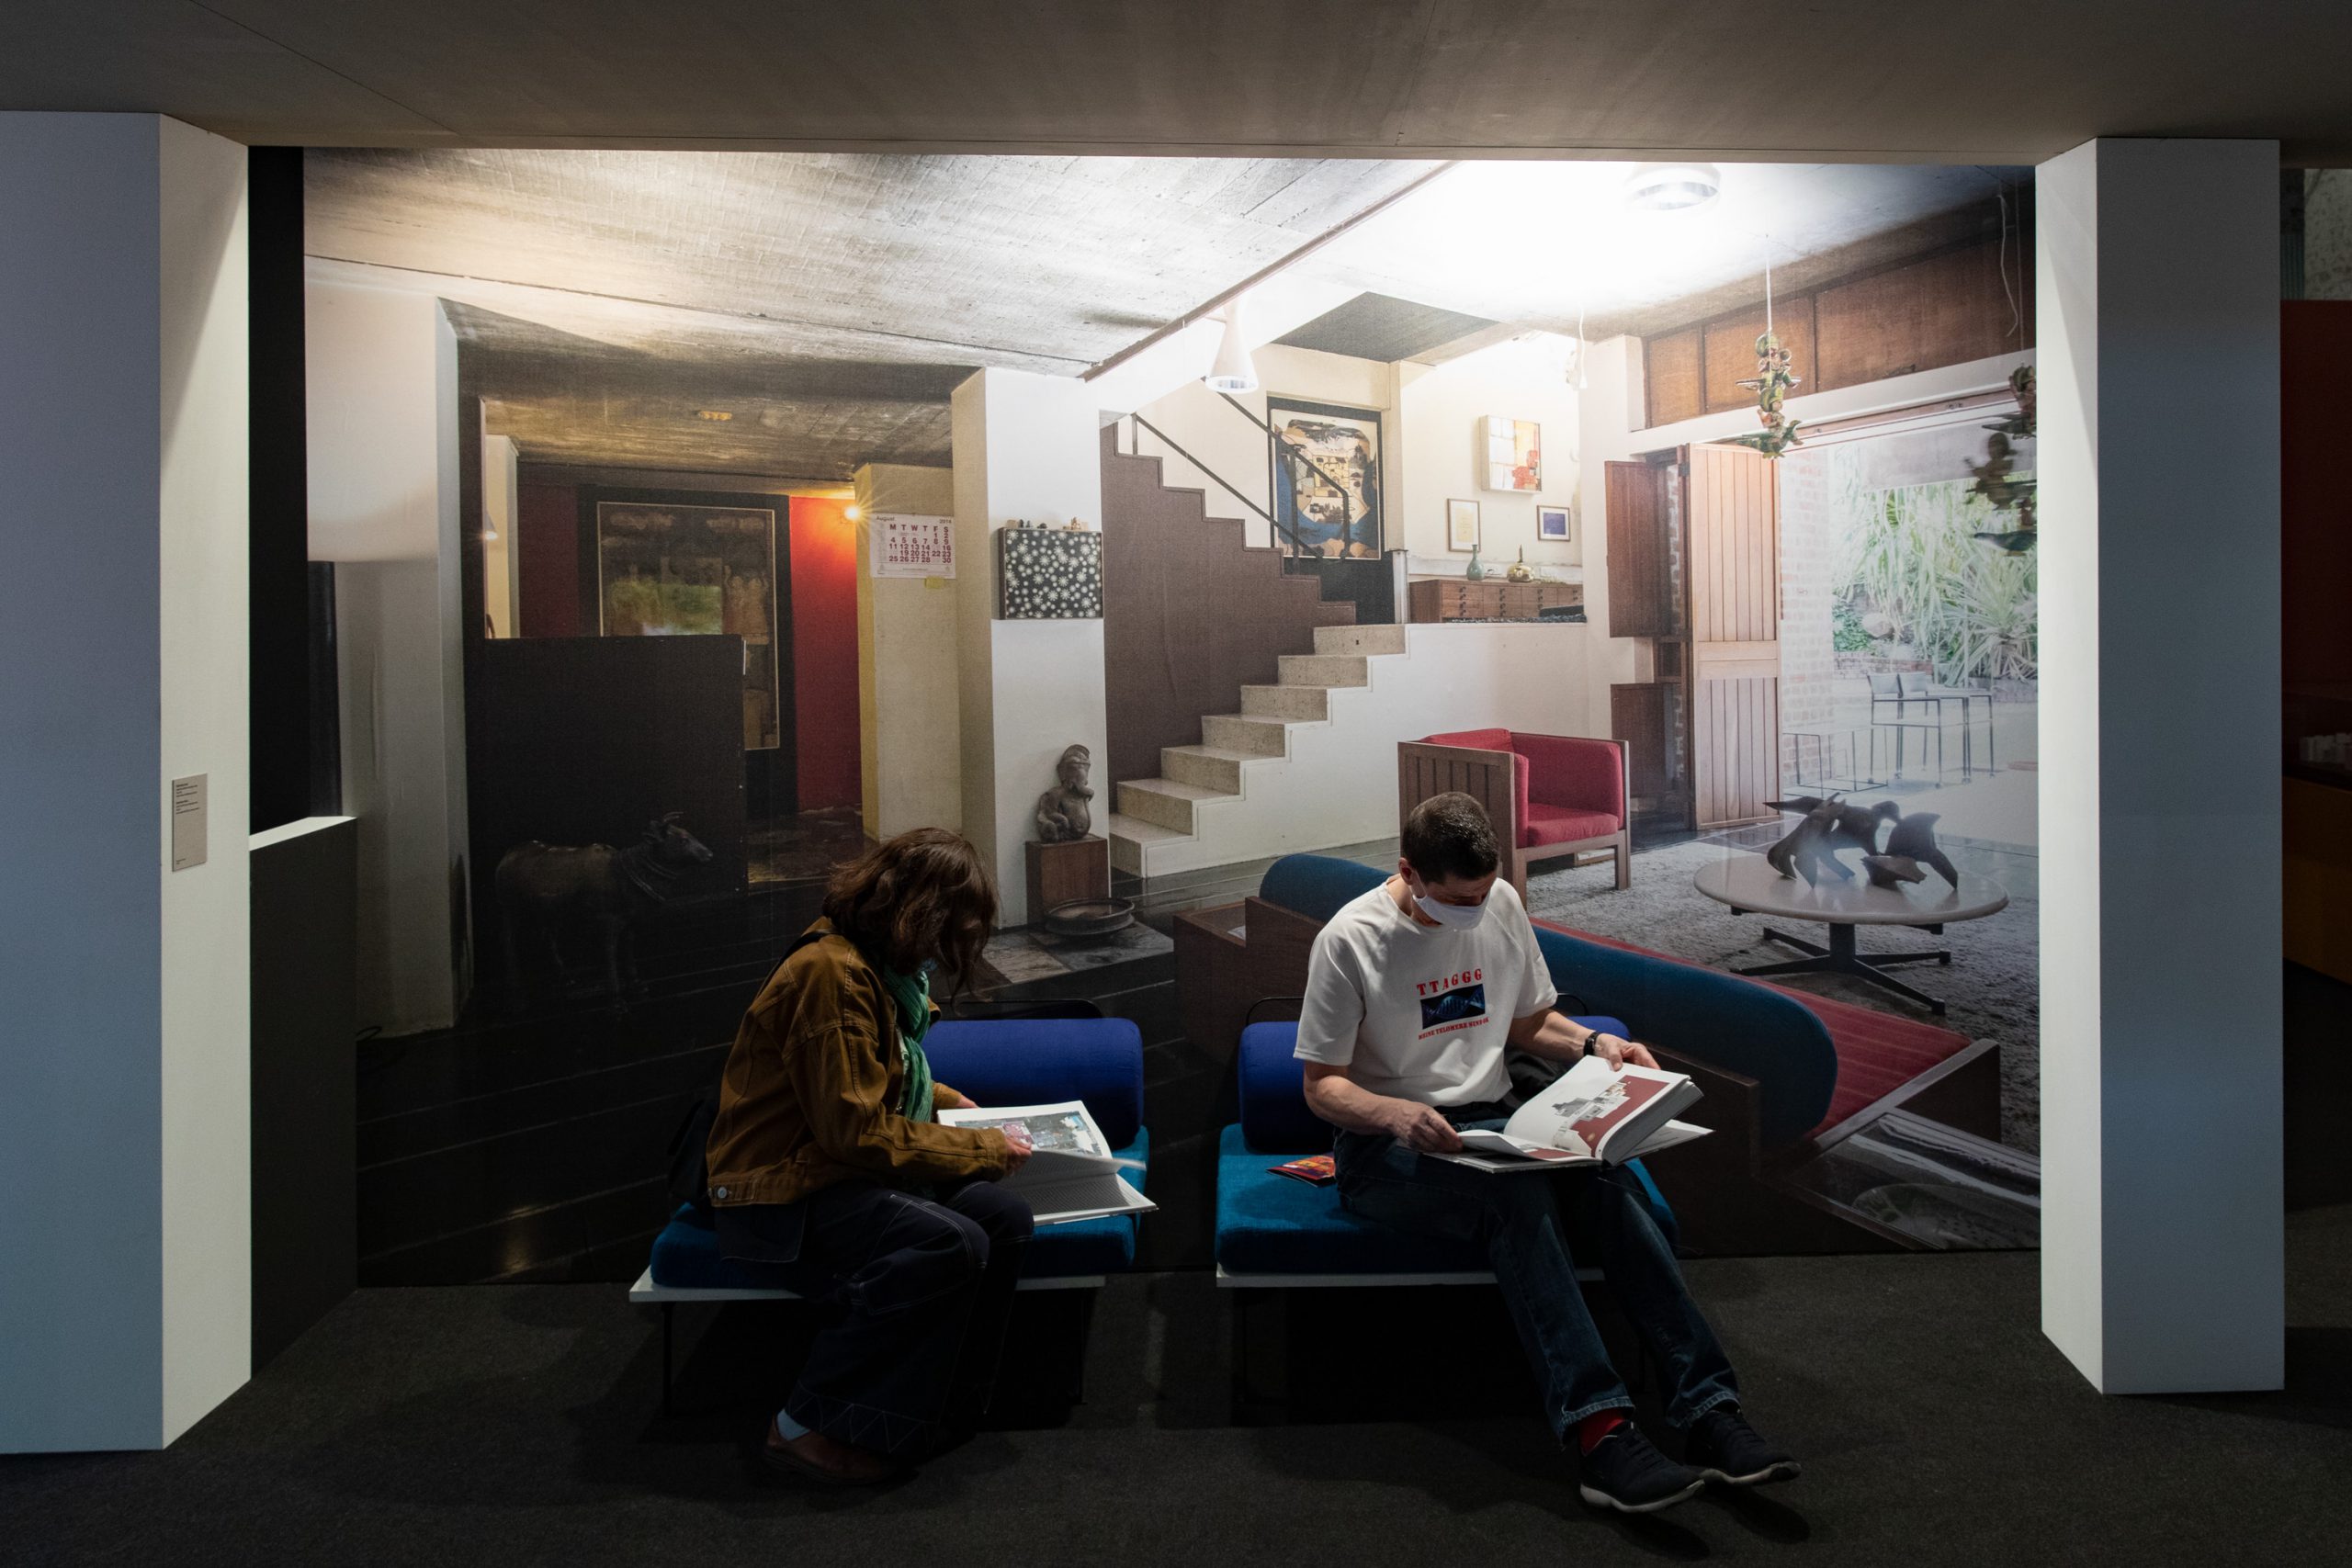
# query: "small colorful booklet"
(1316, 1170)
(1592, 1114)
(1072, 1174)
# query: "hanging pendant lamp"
(1232, 371)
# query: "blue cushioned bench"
(999, 1061)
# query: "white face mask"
(1459, 917)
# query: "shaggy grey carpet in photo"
(1989, 987)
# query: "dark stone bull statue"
(545, 889)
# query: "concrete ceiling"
(827, 303)
(612, 305)
(1970, 81)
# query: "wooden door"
(1638, 566)
(1733, 507)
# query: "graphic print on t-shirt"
(1456, 1001)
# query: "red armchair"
(1548, 794)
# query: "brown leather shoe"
(812, 1456)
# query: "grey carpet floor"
(518, 1425)
(1990, 986)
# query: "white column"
(382, 365)
(125, 1196)
(2162, 1235)
(1025, 446)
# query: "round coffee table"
(1747, 881)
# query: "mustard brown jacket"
(811, 1091)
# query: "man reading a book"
(1415, 993)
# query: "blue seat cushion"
(1274, 1225)
(1040, 1061)
(686, 1255)
(1274, 1116)
(1318, 885)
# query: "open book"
(1591, 1114)
(1073, 1175)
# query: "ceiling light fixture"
(1232, 371)
(853, 513)
(1671, 187)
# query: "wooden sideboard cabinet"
(1444, 599)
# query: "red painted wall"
(2315, 407)
(548, 556)
(824, 652)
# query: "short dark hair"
(1448, 838)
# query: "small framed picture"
(1552, 523)
(1461, 525)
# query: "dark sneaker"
(1626, 1472)
(1728, 1450)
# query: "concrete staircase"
(1174, 818)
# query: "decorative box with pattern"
(1048, 574)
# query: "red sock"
(1597, 1425)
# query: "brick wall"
(1808, 670)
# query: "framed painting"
(668, 569)
(1461, 525)
(1552, 523)
(1514, 453)
(1326, 478)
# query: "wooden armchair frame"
(1489, 778)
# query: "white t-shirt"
(1421, 1012)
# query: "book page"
(1587, 1103)
(1064, 1129)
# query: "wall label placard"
(908, 546)
(189, 821)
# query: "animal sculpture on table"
(548, 890)
(1910, 845)
(1063, 816)
(1824, 826)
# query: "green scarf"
(911, 994)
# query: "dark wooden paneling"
(1637, 716)
(1945, 308)
(1671, 379)
(1637, 547)
(1191, 615)
(580, 740)
(1729, 351)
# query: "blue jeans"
(1529, 1225)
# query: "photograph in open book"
(1055, 1132)
(1583, 1121)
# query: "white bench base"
(645, 1293)
(1229, 1281)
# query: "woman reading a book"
(825, 1163)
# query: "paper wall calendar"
(913, 547)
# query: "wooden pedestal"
(1062, 873)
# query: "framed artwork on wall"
(1461, 525)
(1552, 523)
(1326, 478)
(1514, 453)
(666, 570)
(1048, 574)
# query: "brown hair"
(923, 894)
(1448, 838)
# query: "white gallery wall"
(125, 1239)
(2162, 1259)
(382, 368)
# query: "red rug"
(1878, 1053)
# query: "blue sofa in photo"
(996, 1062)
(1765, 1061)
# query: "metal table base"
(1840, 958)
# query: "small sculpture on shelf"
(1063, 816)
(1519, 570)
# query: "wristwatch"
(1591, 1035)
